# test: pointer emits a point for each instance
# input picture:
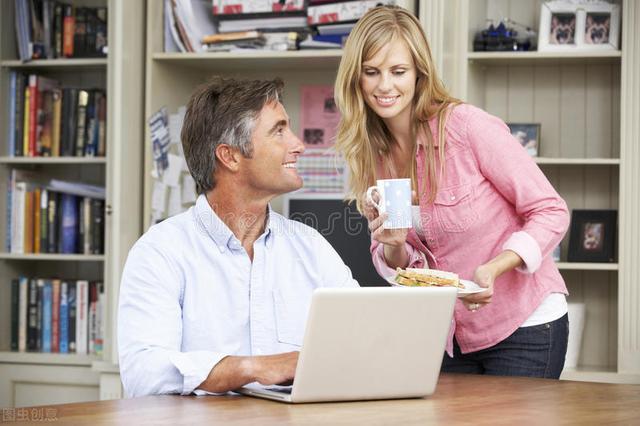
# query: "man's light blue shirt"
(190, 296)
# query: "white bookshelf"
(121, 75)
(303, 60)
(47, 359)
(52, 160)
(53, 257)
(56, 63)
(537, 58)
(588, 107)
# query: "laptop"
(369, 343)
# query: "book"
(82, 316)
(57, 30)
(55, 315)
(85, 224)
(44, 221)
(26, 121)
(22, 29)
(102, 125)
(15, 313)
(19, 114)
(68, 234)
(68, 30)
(36, 220)
(80, 32)
(291, 23)
(81, 117)
(28, 221)
(100, 327)
(56, 120)
(47, 306)
(64, 318)
(68, 124)
(32, 315)
(52, 222)
(341, 11)
(23, 312)
(39, 311)
(11, 128)
(232, 7)
(18, 207)
(71, 307)
(37, 30)
(97, 227)
(92, 318)
(231, 37)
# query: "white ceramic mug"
(395, 200)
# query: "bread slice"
(426, 277)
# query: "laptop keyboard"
(281, 389)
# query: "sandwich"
(427, 278)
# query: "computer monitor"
(344, 228)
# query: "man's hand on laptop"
(274, 369)
(233, 372)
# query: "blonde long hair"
(362, 136)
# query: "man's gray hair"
(223, 111)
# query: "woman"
(485, 211)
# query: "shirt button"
(453, 197)
(221, 248)
(431, 241)
(427, 218)
(259, 351)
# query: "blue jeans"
(536, 351)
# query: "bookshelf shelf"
(47, 358)
(528, 58)
(56, 63)
(272, 60)
(579, 266)
(54, 257)
(55, 377)
(579, 161)
(53, 160)
(587, 108)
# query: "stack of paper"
(174, 190)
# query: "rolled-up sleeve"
(519, 179)
(150, 329)
(416, 259)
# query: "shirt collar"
(219, 231)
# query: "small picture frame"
(578, 25)
(593, 236)
(528, 135)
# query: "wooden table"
(459, 399)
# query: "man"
(217, 297)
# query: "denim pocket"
(454, 208)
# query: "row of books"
(57, 316)
(47, 29)
(43, 220)
(48, 120)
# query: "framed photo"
(578, 25)
(528, 134)
(593, 236)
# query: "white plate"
(469, 286)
